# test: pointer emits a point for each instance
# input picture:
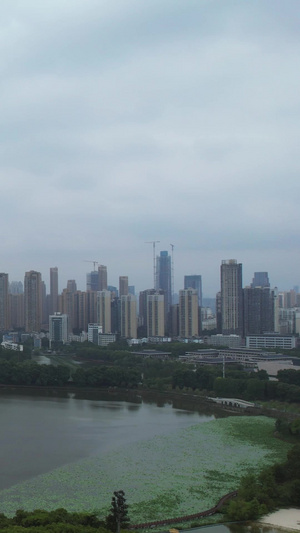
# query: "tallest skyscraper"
(164, 281)
(231, 297)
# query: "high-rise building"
(104, 310)
(123, 286)
(92, 281)
(33, 301)
(53, 290)
(155, 315)
(102, 274)
(16, 287)
(58, 328)
(80, 314)
(17, 319)
(164, 281)
(231, 297)
(258, 310)
(143, 310)
(260, 279)
(188, 313)
(194, 282)
(4, 302)
(71, 285)
(128, 317)
(66, 306)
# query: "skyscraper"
(164, 281)
(104, 310)
(102, 274)
(4, 303)
(188, 313)
(258, 310)
(155, 315)
(231, 297)
(33, 301)
(261, 279)
(53, 290)
(123, 286)
(194, 282)
(128, 317)
(92, 281)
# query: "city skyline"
(61, 284)
(172, 121)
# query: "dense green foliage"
(276, 486)
(118, 516)
(119, 366)
(58, 521)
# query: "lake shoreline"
(283, 519)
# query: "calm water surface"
(41, 432)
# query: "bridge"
(232, 402)
(186, 518)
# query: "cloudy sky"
(127, 121)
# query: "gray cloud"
(123, 122)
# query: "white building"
(284, 342)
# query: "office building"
(4, 302)
(164, 281)
(53, 304)
(258, 310)
(231, 297)
(284, 342)
(33, 301)
(58, 328)
(128, 317)
(123, 286)
(94, 331)
(104, 310)
(155, 315)
(194, 282)
(188, 313)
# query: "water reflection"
(58, 427)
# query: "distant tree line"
(116, 367)
(61, 521)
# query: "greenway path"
(187, 518)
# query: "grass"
(162, 477)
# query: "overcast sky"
(126, 121)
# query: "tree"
(118, 516)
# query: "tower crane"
(94, 263)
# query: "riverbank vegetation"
(275, 487)
(124, 369)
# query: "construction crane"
(94, 263)
(154, 269)
(172, 274)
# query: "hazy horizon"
(175, 121)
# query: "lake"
(40, 432)
(171, 457)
